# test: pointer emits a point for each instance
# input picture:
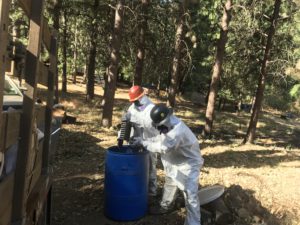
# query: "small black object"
(163, 129)
(120, 143)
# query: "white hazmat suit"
(142, 123)
(180, 155)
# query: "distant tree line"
(243, 51)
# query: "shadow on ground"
(78, 178)
(249, 158)
(246, 209)
(228, 126)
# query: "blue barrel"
(126, 183)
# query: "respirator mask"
(165, 127)
(140, 104)
(162, 129)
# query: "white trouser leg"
(192, 203)
(192, 206)
(152, 174)
(170, 190)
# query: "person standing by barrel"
(180, 155)
(139, 116)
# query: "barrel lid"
(210, 193)
(126, 149)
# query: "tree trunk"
(180, 33)
(250, 136)
(142, 20)
(90, 90)
(91, 72)
(113, 67)
(56, 23)
(86, 66)
(158, 86)
(111, 14)
(213, 91)
(75, 54)
(220, 104)
(64, 75)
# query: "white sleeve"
(162, 145)
(154, 147)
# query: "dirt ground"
(262, 180)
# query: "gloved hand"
(145, 144)
(136, 141)
(120, 142)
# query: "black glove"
(120, 143)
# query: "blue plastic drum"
(126, 183)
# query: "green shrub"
(280, 101)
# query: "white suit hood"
(141, 120)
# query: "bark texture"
(217, 69)
(250, 136)
(142, 20)
(175, 71)
(90, 85)
(110, 89)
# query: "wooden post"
(27, 118)
(48, 113)
(4, 9)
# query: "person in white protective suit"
(139, 115)
(180, 155)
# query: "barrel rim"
(119, 152)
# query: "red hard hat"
(135, 92)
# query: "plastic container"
(210, 193)
(126, 183)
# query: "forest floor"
(262, 181)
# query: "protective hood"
(144, 102)
(173, 120)
(170, 121)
